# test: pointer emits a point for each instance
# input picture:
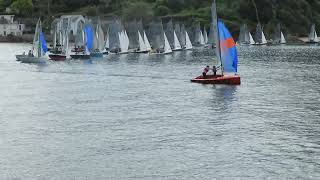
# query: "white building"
(72, 22)
(9, 26)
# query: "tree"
(22, 7)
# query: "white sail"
(264, 40)
(251, 39)
(167, 48)
(101, 44)
(316, 39)
(177, 45)
(201, 39)
(216, 34)
(107, 44)
(283, 40)
(124, 41)
(146, 41)
(142, 45)
(188, 42)
(205, 36)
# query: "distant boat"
(279, 37)
(177, 45)
(167, 47)
(98, 42)
(205, 36)
(260, 37)
(107, 44)
(60, 43)
(201, 39)
(226, 53)
(84, 42)
(39, 48)
(124, 42)
(313, 37)
(142, 45)
(188, 42)
(252, 42)
(146, 41)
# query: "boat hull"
(96, 55)
(219, 79)
(80, 56)
(57, 57)
(28, 59)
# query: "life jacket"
(206, 70)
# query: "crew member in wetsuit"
(205, 71)
(214, 70)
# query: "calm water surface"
(139, 117)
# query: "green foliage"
(295, 15)
(137, 10)
(161, 10)
(22, 7)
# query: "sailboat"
(252, 42)
(142, 45)
(177, 45)
(188, 42)
(260, 37)
(313, 37)
(201, 39)
(279, 37)
(107, 44)
(205, 36)
(167, 47)
(146, 41)
(124, 42)
(99, 43)
(245, 37)
(226, 53)
(84, 42)
(60, 43)
(39, 48)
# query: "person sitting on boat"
(30, 53)
(205, 71)
(214, 70)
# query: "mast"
(216, 32)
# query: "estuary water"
(139, 117)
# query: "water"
(139, 117)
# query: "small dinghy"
(226, 53)
(39, 48)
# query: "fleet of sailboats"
(91, 41)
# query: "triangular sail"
(146, 41)
(167, 48)
(107, 44)
(283, 40)
(201, 40)
(142, 45)
(264, 40)
(205, 36)
(251, 39)
(226, 48)
(188, 42)
(177, 45)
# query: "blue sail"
(43, 43)
(228, 50)
(89, 36)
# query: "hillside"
(296, 16)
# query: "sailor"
(214, 70)
(205, 71)
(30, 53)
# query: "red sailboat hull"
(219, 79)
